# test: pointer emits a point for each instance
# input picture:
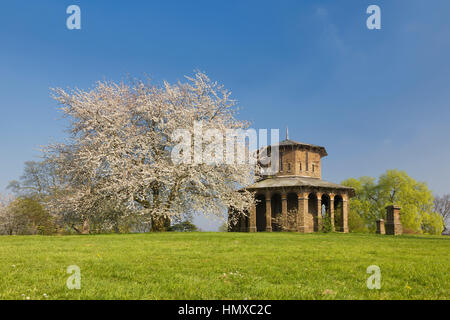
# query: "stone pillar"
(268, 212)
(380, 227)
(393, 224)
(284, 219)
(344, 213)
(332, 211)
(319, 211)
(302, 211)
(252, 217)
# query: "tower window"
(313, 167)
(281, 161)
(289, 167)
(300, 165)
(307, 164)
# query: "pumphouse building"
(295, 198)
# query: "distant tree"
(365, 204)
(223, 227)
(184, 226)
(39, 181)
(356, 223)
(42, 181)
(442, 206)
(6, 218)
(395, 187)
(26, 216)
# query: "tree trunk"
(86, 228)
(160, 224)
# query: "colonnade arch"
(301, 210)
(260, 212)
(313, 212)
(276, 212)
(338, 213)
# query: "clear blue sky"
(376, 99)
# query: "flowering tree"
(6, 218)
(120, 151)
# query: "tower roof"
(288, 142)
(283, 182)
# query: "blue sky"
(376, 99)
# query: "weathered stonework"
(380, 227)
(393, 224)
(297, 187)
(298, 159)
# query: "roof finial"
(287, 133)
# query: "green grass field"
(225, 266)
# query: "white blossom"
(120, 145)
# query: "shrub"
(184, 226)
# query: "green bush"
(326, 224)
(184, 226)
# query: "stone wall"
(294, 163)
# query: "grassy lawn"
(225, 266)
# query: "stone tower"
(296, 198)
(300, 159)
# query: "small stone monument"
(393, 224)
(380, 227)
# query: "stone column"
(302, 211)
(319, 211)
(332, 211)
(380, 227)
(252, 217)
(284, 226)
(268, 212)
(393, 224)
(344, 213)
